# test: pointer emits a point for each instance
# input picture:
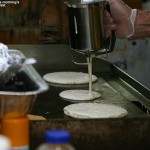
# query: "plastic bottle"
(4, 143)
(56, 140)
(17, 130)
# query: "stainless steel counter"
(116, 87)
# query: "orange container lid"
(17, 130)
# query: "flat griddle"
(116, 87)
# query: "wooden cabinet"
(37, 22)
(134, 3)
(34, 22)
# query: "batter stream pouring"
(78, 95)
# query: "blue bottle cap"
(57, 136)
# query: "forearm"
(142, 25)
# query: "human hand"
(121, 19)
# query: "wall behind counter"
(134, 56)
(34, 22)
(37, 22)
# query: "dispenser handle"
(113, 37)
(109, 43)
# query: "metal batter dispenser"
(87, 35)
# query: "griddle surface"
(50, 105)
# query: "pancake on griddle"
(68, 78)
(94, 110)
(77, 95)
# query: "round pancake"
(79, 95)
(94, 110)
(68, 78)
